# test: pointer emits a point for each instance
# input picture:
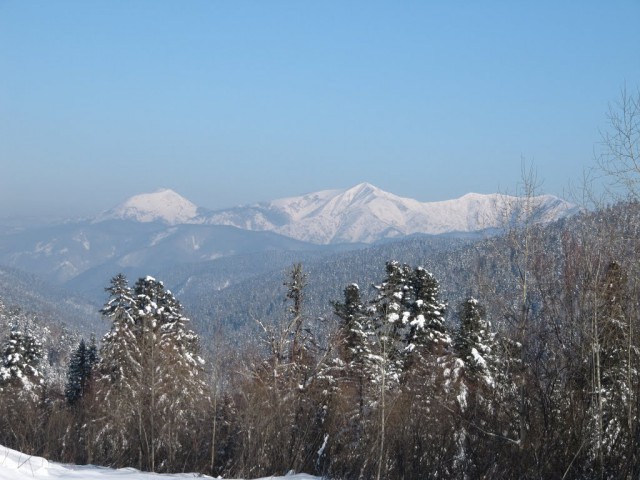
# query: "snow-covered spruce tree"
(474, 342)
(119, 381)
(354, 349)
(409, 350)
(21, 389)
(391, 324)
(20, 360)
(352, 315)
(427, 332)
(350, 373)
(473, 384)
(150, 378)
(427, 425)
(182, 387)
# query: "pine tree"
(80, 372)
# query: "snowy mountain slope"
(19, 466)
(163, 205)
(50, 303)
(65, 252)
(364, 213)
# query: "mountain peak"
(163, 205)
(364, 186)
(363, 189)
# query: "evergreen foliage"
(474, 342)
(80, 372)
(20, 360)
(150, 375)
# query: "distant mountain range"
(200, 250)
(360, 214)
(201, 253)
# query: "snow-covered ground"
(18, 466)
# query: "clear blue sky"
(241, 101)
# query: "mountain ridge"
(363, 213)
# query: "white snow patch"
(15, 465)
(45, 248)
(162, 235)
(419, 322)
(478, 358)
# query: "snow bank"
(18, 466)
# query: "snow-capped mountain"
(360, 214)
(163, 205)
(161, 230)
(364, 213)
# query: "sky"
(235, 102)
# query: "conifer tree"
(21, 390)
(20, 360)
(354, 348)
(427, 332)
(151, 375)
(355, 329)
(80, 372)
(119, 380)
(295, 292)
(474, 341)
(391, 322)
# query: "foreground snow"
(18, 466)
